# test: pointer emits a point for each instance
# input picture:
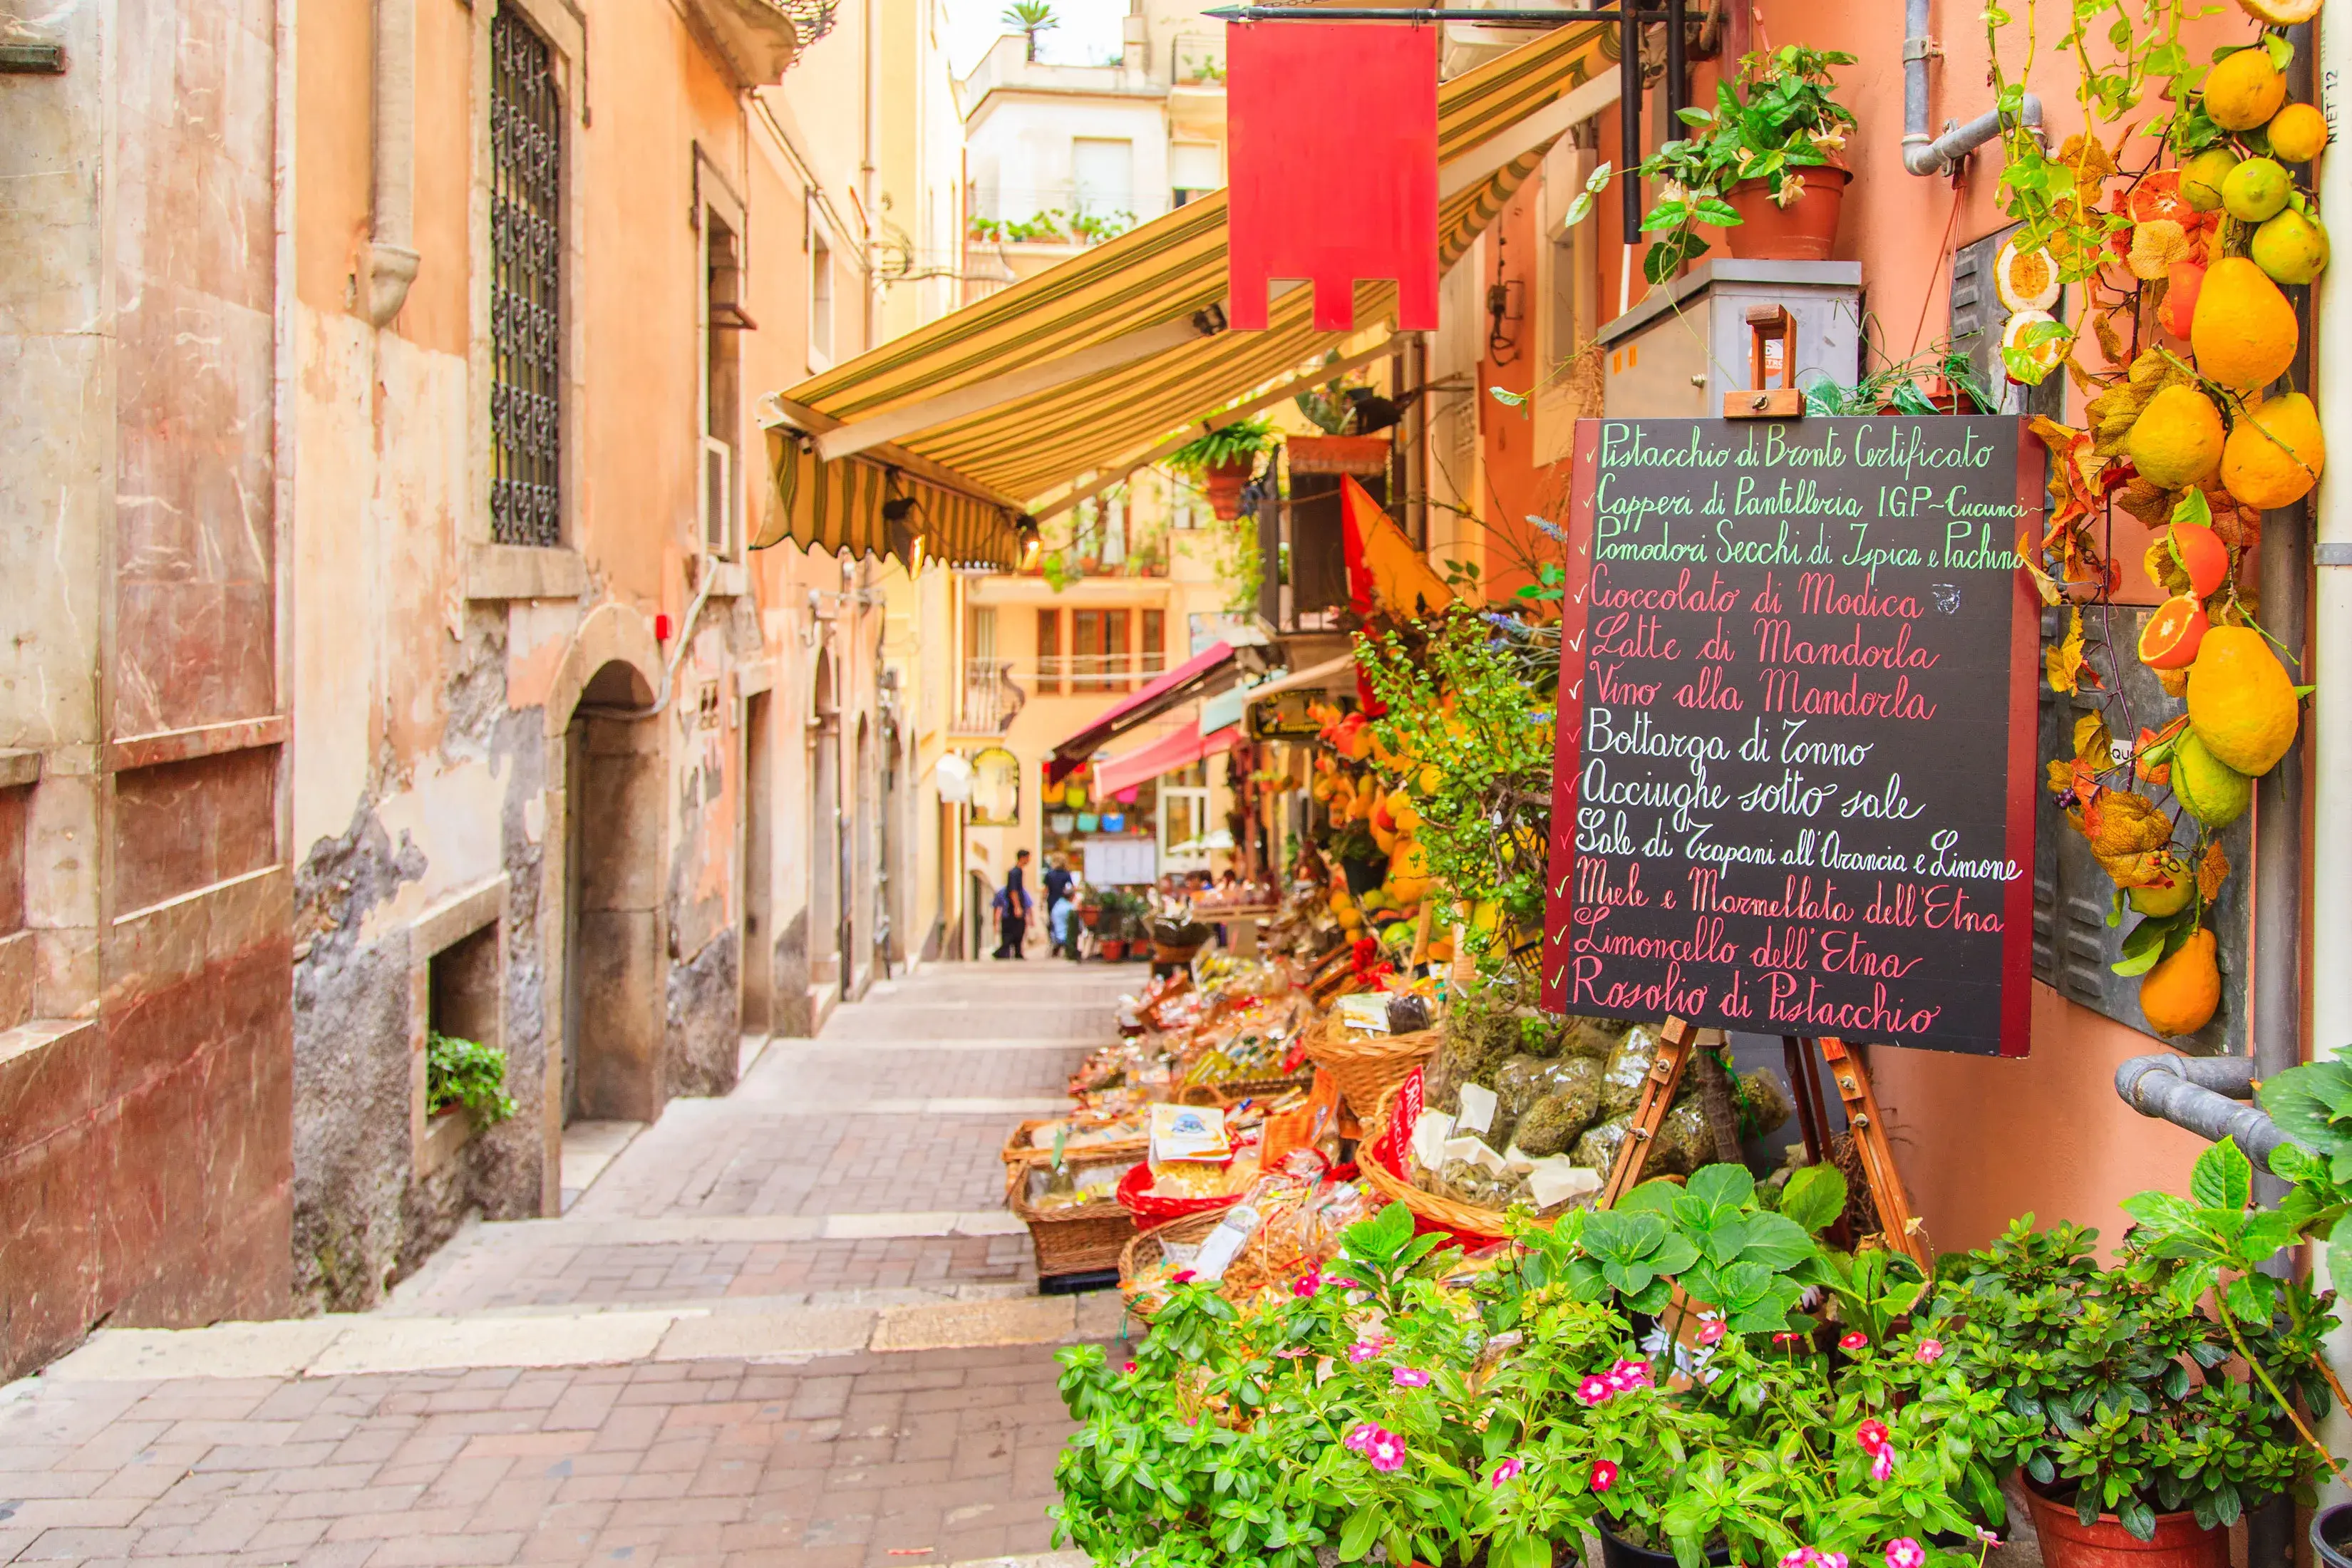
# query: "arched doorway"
(614, 957)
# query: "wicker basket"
(1452, 1214)
(1144, 1250)
(1018, 1152)
(1078, 1240)
(1369, 1069)
(1233, 1091)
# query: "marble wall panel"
(184, 825)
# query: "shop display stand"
(1676, 1041)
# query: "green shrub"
(463, 1072)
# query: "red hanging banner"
(1332, 154)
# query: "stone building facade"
(387, 659)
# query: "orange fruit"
(2169, 639)
(2203, 556)
(2177, 439)
(2181, 994)
(2179, 306)
(2241, 703)
(2208, 789)
(2244, 331)
(2276, 453)
(2244, 89)
(2298, 132)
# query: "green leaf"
(2223, 1178)
(1722, 1185)
(2339, 1254)
(1363, 1526)
(1579, 209)
(1775, 1241)
(1815, 1195)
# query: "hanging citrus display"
(2181, 993)
(2244, 335)
(2290, 248)
(2241, 703)
(2208, 789)
(2178, 440)
(2169, 639)
(2276, 452)
(2244, 90)
(2202, 554)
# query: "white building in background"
(1059, 156)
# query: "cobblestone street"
(794, 1326)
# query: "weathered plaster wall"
(144, 1104)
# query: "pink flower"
(1362, 1438)
(1129, 1367)
(1832, 1559)
(1345, 1284)
(1594, 1390)
(1506, 1471)
(1788, 1339)
(1604, 1475)
(1881, 1463)
(1308, 1283)
(1295, 1352)
(1628, 1375)
(1182, 1277)
(1905, 1553)
(1409, 1377)
(1710, 1331)
(1802, 1557)
(1986, 1536)
(1929, 1351)
(1363, 1351)
(1385, 1451)
(1871, 1435)
(1854, 1341)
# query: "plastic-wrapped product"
(1621, 1080)
(1598, 1148)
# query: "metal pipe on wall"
(1926, 154)
(392, 260)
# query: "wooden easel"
(1678, 1039)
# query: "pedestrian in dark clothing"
(1058, 882)
(1013, 909)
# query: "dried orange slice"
(2027, 280)
(2158, 197)
(2048, 353)
(2203, 556)
(2280, 13)
(2170, 638)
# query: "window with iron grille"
(525, 314)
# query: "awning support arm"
(1122, 467)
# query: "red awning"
(1165, 755)
(1196, 676)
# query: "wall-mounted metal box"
(1679, 351)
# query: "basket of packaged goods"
(1283, 1229)
(1046, 1138)
(1528, 1110)
(1203, 1158)
(1072, 1209)
(1176, 940)
(1357, 1045)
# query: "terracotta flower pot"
(1223, 481)
(1088, 916)
(1363, 455)
(1113, 948)
(1802, 231)
(2068, 1542)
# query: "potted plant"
(1759, 164)
(1224, 458)
(2164, 1391)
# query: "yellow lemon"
(2241, 705)
(2298, 132)
(2290, 248)
(2208, 789)
(2244, 331)
(2275, 452)
(2201, 177)
(2181, 994)
(2256, 189)
(2169, 897)
(2244, 90)
(2177, 439)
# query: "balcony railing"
(1084, 674)
(989, 698)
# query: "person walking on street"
(1058, 882)
(1013, 911)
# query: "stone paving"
(791, 1327)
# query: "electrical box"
(1728, 326)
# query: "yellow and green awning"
(1009, 453)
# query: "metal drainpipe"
(2206, 1095)
(1926, 154)
(392, 260)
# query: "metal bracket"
(1921, 49)
(2331, 554)
(33, 60)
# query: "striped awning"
(1166, 272)
(837, 507)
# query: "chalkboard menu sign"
(1795, 780)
